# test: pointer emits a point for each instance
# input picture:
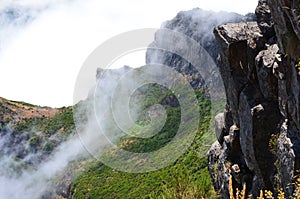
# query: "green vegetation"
(41, 133)
(60, 125)
(34, 140)
(187, 178)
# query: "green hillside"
(188, 177)
(45, 128)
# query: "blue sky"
(40, 60)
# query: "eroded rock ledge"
(258, 134)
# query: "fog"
(59, 36)
(33, 175)
(51, 40)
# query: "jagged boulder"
(286, 16)
(239, 43)
(267, 63)
(259, 64)
(262, 92)
(264, 18)
(220, 127)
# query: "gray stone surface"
(257, 62)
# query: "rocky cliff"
(258, 134)
(193, 24)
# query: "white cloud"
(41, 62)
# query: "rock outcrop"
(193, 24)
(258, 143)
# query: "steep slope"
(187, 177)
(14, 112)
(251, 68)
(193, 24)
(33, 128)
(258, 143)
(28, 136)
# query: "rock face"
(258, 144)
(193, 24)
